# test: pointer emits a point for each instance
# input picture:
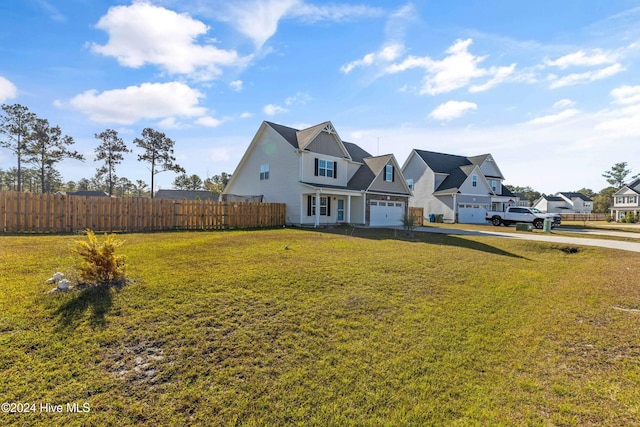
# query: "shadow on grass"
(94, 299)
(418, 237)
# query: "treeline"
(38, 147)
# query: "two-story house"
(321, 178)
(626, 200)
(460, 188)
(565, 202)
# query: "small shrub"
(629, 218)
(100, 265)
(408, 222)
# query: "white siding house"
(322, 179)
(462, 189)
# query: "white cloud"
(209, 121)
(169, 123)
(147, 101)
(333, 12)
(455, 71)
(586, 77)
(272, 110)
(581, 58)
(563, 103)
(7, 90)
(236, 85)
(384, 55)
(622, 122)
(53, 12)
(626, 95)
(554, 118)
(452, 110)
(246, 115)
(259, 19)
(500, 74)
(142, 34)
(298, 98)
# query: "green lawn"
(345, 327)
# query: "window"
(494, 185)
(410, 183)
(326, 168)
(474, 181)
(264, 171)
(388, 173)
(325, 206)
(632, 199)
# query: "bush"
(100, 265)
(629, 218)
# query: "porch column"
(317, 196)
(303, 206)
(348, 215)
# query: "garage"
(386, 213)
(471, 213)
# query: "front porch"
(325, 206)
(619, 213)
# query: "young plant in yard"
(100, 265)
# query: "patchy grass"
(345, 327)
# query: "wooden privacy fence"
(54, 213)
(417, 214)
(583, 217)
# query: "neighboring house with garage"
(626, 200)
(460, 188)
(565, 202)
(321, 178)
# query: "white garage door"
(472, 214)
(386, 214)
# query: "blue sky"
(550, 88)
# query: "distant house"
(186, 195)
(565, 202)
(321, 178)
(460, 188)
(85, 193)
(626, 200)
(522, 200)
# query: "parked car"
(514, 214)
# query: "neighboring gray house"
(565, 202)
(85, 193)
(186, 195)
(460, 188)
(626, 200)
(321, 178)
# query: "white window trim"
(264, 171)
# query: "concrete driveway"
(567, 240)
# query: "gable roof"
(457, 168)
(633, 186)
(575, 195)
(553, 198)
(302, 138)
(87, 193)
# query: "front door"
(340, 210)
